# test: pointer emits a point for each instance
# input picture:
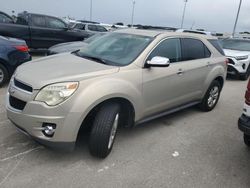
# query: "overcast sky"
(214, 15)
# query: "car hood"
(67, 47)
(235, 53)
(60, 68)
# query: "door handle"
(180, 72)
(208, 64)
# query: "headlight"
(239, 58)
(55, 94)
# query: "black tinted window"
(194, 49)
(100, 28)
(5, 19)
(55, 23)
(38, 21)
(21, 21)
(92, 28)
(217, 45)
(170, 48)
(80, 26)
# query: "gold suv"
(124, 78)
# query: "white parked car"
(238, 54)
(90, 27)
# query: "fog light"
(244, 66)
(49, 129)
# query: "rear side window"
(217, 45)
(38, 21)
(194, 49)
(169, 48)
(80, 26)
(100, 28)
(92, 28)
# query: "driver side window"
(169, 48)
(55, 23)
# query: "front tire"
(247, 140)
(4, 75)
(211, 97)
(104, 130)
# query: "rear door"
(196, 65)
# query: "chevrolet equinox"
(125, 78)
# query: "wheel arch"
(127, 113)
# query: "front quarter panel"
(97, 90)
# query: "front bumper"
(62, 146)
(236, 67)
(34, 115)
(244, 124)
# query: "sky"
(212, 15)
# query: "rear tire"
(211, 97)
(4, 75)
(247, 140)
(104, 129)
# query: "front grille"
(23, 86)
(16, 103)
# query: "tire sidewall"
(101, 130)
(5, 74)
(204, 104)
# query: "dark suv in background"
(41, 31)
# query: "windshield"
(94, 37)
(116, 48)
(232, 44)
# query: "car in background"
(244, 120)
(5, 18)
(72, 46)
(126, 77)
(238, 53)
(89, 27)
(13, 52)
(41, 31)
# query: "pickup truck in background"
(41, 31)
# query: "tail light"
(22, 48)
(247, 94)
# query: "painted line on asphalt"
(20, 154)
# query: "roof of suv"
(154, 33)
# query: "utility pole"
(90, 12)
(133, 11)
(237, 17)
(183, 15)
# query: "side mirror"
(158, 61)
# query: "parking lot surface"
(186, 149)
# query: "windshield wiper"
(97, 59)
